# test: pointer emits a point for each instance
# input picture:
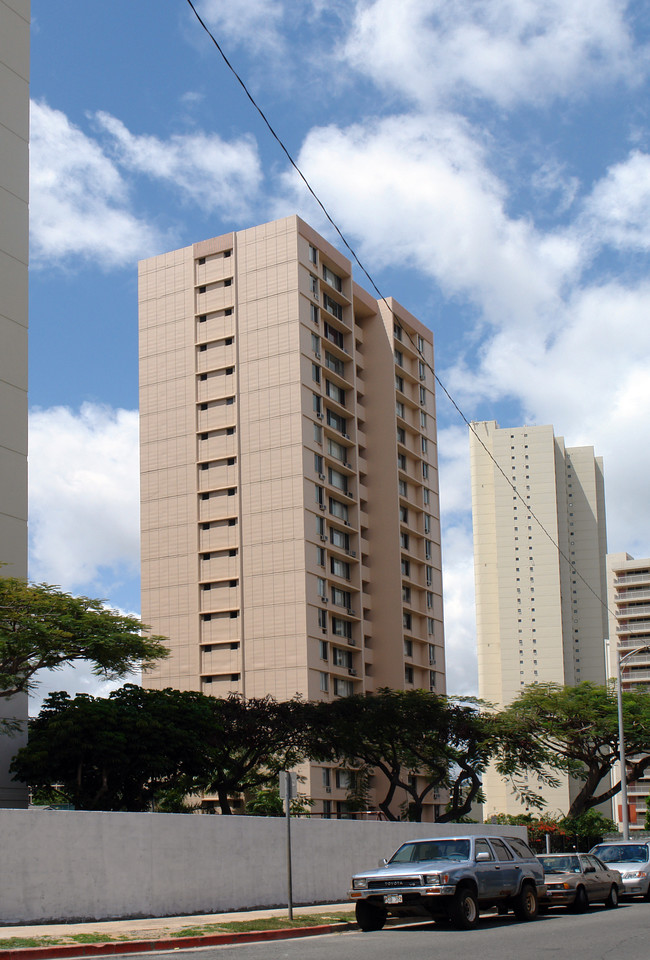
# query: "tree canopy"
(419, 741)
(550, 729)
(119, 752)
(43, 627)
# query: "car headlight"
(359, 883)
(635, 875)
(431, 878)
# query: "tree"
(42, 627)
(552, 729)
(258, 738)
(419, 741)
(123, 752)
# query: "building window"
(334, 392)
(322, 618)
(404, 541)
(313, 254)
(324, 682)
(432, 681)
(399, 383)
(408, 674)
(399, 358)
(339, 538)
(340, 598)
(425, 445)
(321, 586)
(333, 335)
(423, 396)
(319, 494)
(340, 568)
(429, 575)
(337, 422)
(401, 435)
(318, 462)
(341, 658)
(408, 648)
(334, 364)
(338, 509)
(399, 409)
(430, 626)
(343, 688)
(313, 285)
(406, 567)
(337, 450)
(323, 649)
(318, 433)
(403, 515)
(315, 373)
(406, 594)
(432, 654)
(407, 621)
(425, 496)
(427, 549)
(316, 404)
(429, 600)
(332, 278)
(341, 628)
(427, 526)
(320, 556)
(401, 461)
(313, 313)
(333, 307)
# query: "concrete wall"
(59, 866)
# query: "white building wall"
(14, 230)
(94, 866)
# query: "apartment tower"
(628, 601)
(540, 616)
(14, 241)
(290, 518)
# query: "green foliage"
(259, 737)
(401, 733)
(266, 802)
(42, 627)
(118, 753)
(551, 729)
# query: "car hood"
(625, 865)
(422, 866)
(560, 877)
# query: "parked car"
(632, 860)
(577, 880)
(450, 879)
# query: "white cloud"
(618, 210)
(84, 497)
(211, 172)
(507, 51)
(420, 192)
(253, 23)
(79, 203)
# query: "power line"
(383, 299)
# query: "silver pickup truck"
(450, 879)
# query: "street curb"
(167, 943)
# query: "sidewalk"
(161, 933)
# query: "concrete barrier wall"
(59, 866)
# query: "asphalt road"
(622, 934)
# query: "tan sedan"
(576, 880)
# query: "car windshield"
(560, 864)
(622, 852)
(432, 850)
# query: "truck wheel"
(525, 903)
(369, 917)
(463, 911)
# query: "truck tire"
(525, 903)
(463, 911)
(369, 917)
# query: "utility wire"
(380, 295)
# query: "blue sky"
(489, 160)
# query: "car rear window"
(521, 848)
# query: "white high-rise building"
(628, 600)
(540, 617)
(290, 521)
(14, 238)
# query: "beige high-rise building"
(14, 240)
(628, 600)
(539, 617)
(290, 518)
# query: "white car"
(632, 860)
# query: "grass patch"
(234, 926)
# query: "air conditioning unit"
(350, 494)
(316, 295)
(324, 599)
(323, 538)
(352, 672)
(328, 789)
(324, 629)
(352, 553)
(321, 476)
(317, 355)
(348, 465)
(350, 612)
(346, 436)
(322, 506)
(352, 642)
(320, 416)
(347, 523)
